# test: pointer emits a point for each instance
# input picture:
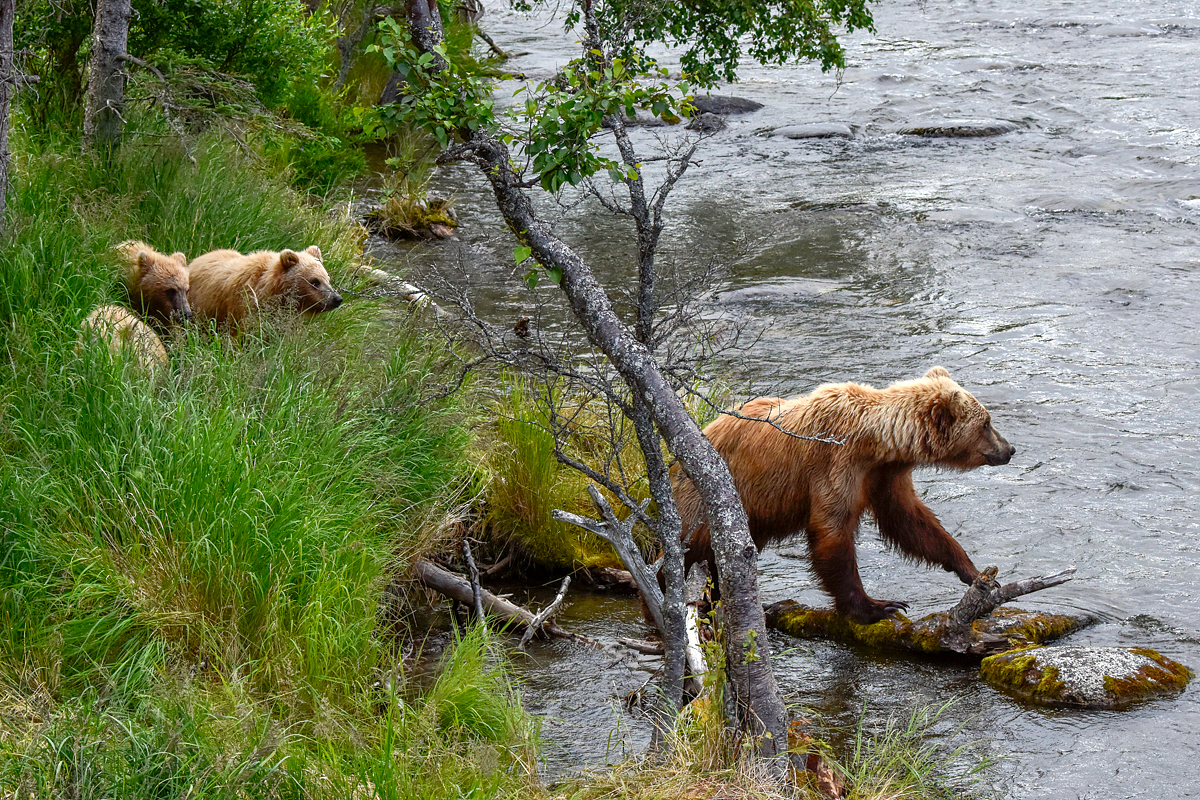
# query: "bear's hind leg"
(831, 551)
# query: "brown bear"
(227, 286)
(157, 284)
(790, 484)
(121, 329)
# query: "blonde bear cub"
(226, 286)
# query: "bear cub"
(227, 286)
(157, 284)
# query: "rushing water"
(1054, 270)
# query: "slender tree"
(8, 83)
(102, 120)
(549, 139)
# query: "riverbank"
(201, 579)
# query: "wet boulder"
(724, 106)
(960, 129)
(1085, 677)
(815, 130)
(706, 122)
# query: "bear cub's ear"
(288, 258)
(180, 259)
(144, 262)
(937, 372)
(314, 251)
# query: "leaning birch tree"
(549, 139)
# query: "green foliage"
(443, 98)
(214, 742)
(275, 44)
(527, 481)
(717, 35)
(191, 572)
(910, 757)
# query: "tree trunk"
(425, 26)
(102, 121)
(8, 87)
(761, 710)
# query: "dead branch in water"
(459, 588)
(546, 612)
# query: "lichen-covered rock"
(1085, 677)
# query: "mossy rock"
(1085, 677)
(1004, 628)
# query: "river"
(1054, 270)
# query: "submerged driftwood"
(975, 626)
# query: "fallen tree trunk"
(974, 627)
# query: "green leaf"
(531, 279)
(555, 274)
(522, 253)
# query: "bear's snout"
(333, 301)
(1001, 453)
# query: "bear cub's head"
(157, 283)
(305, 282)
(970, 439)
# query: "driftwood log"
(459, 588)
(975, 626)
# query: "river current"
(1054, 270)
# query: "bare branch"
(545, 613)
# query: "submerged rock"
(1001, 630)
(815, 130)
(1085, 677)
(961, 129)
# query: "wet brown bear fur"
(120, 328)
(227, 286)
(157, 284)
(788, 484)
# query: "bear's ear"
(288, 259)
(937, 372)
(314, 251)
(144, 262)
(179, 258)
(943, 412)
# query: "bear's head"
(305, 283)
(962, 428)
(158, 284)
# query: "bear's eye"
(315, 282)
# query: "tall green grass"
(527, 482)
(191, 571)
